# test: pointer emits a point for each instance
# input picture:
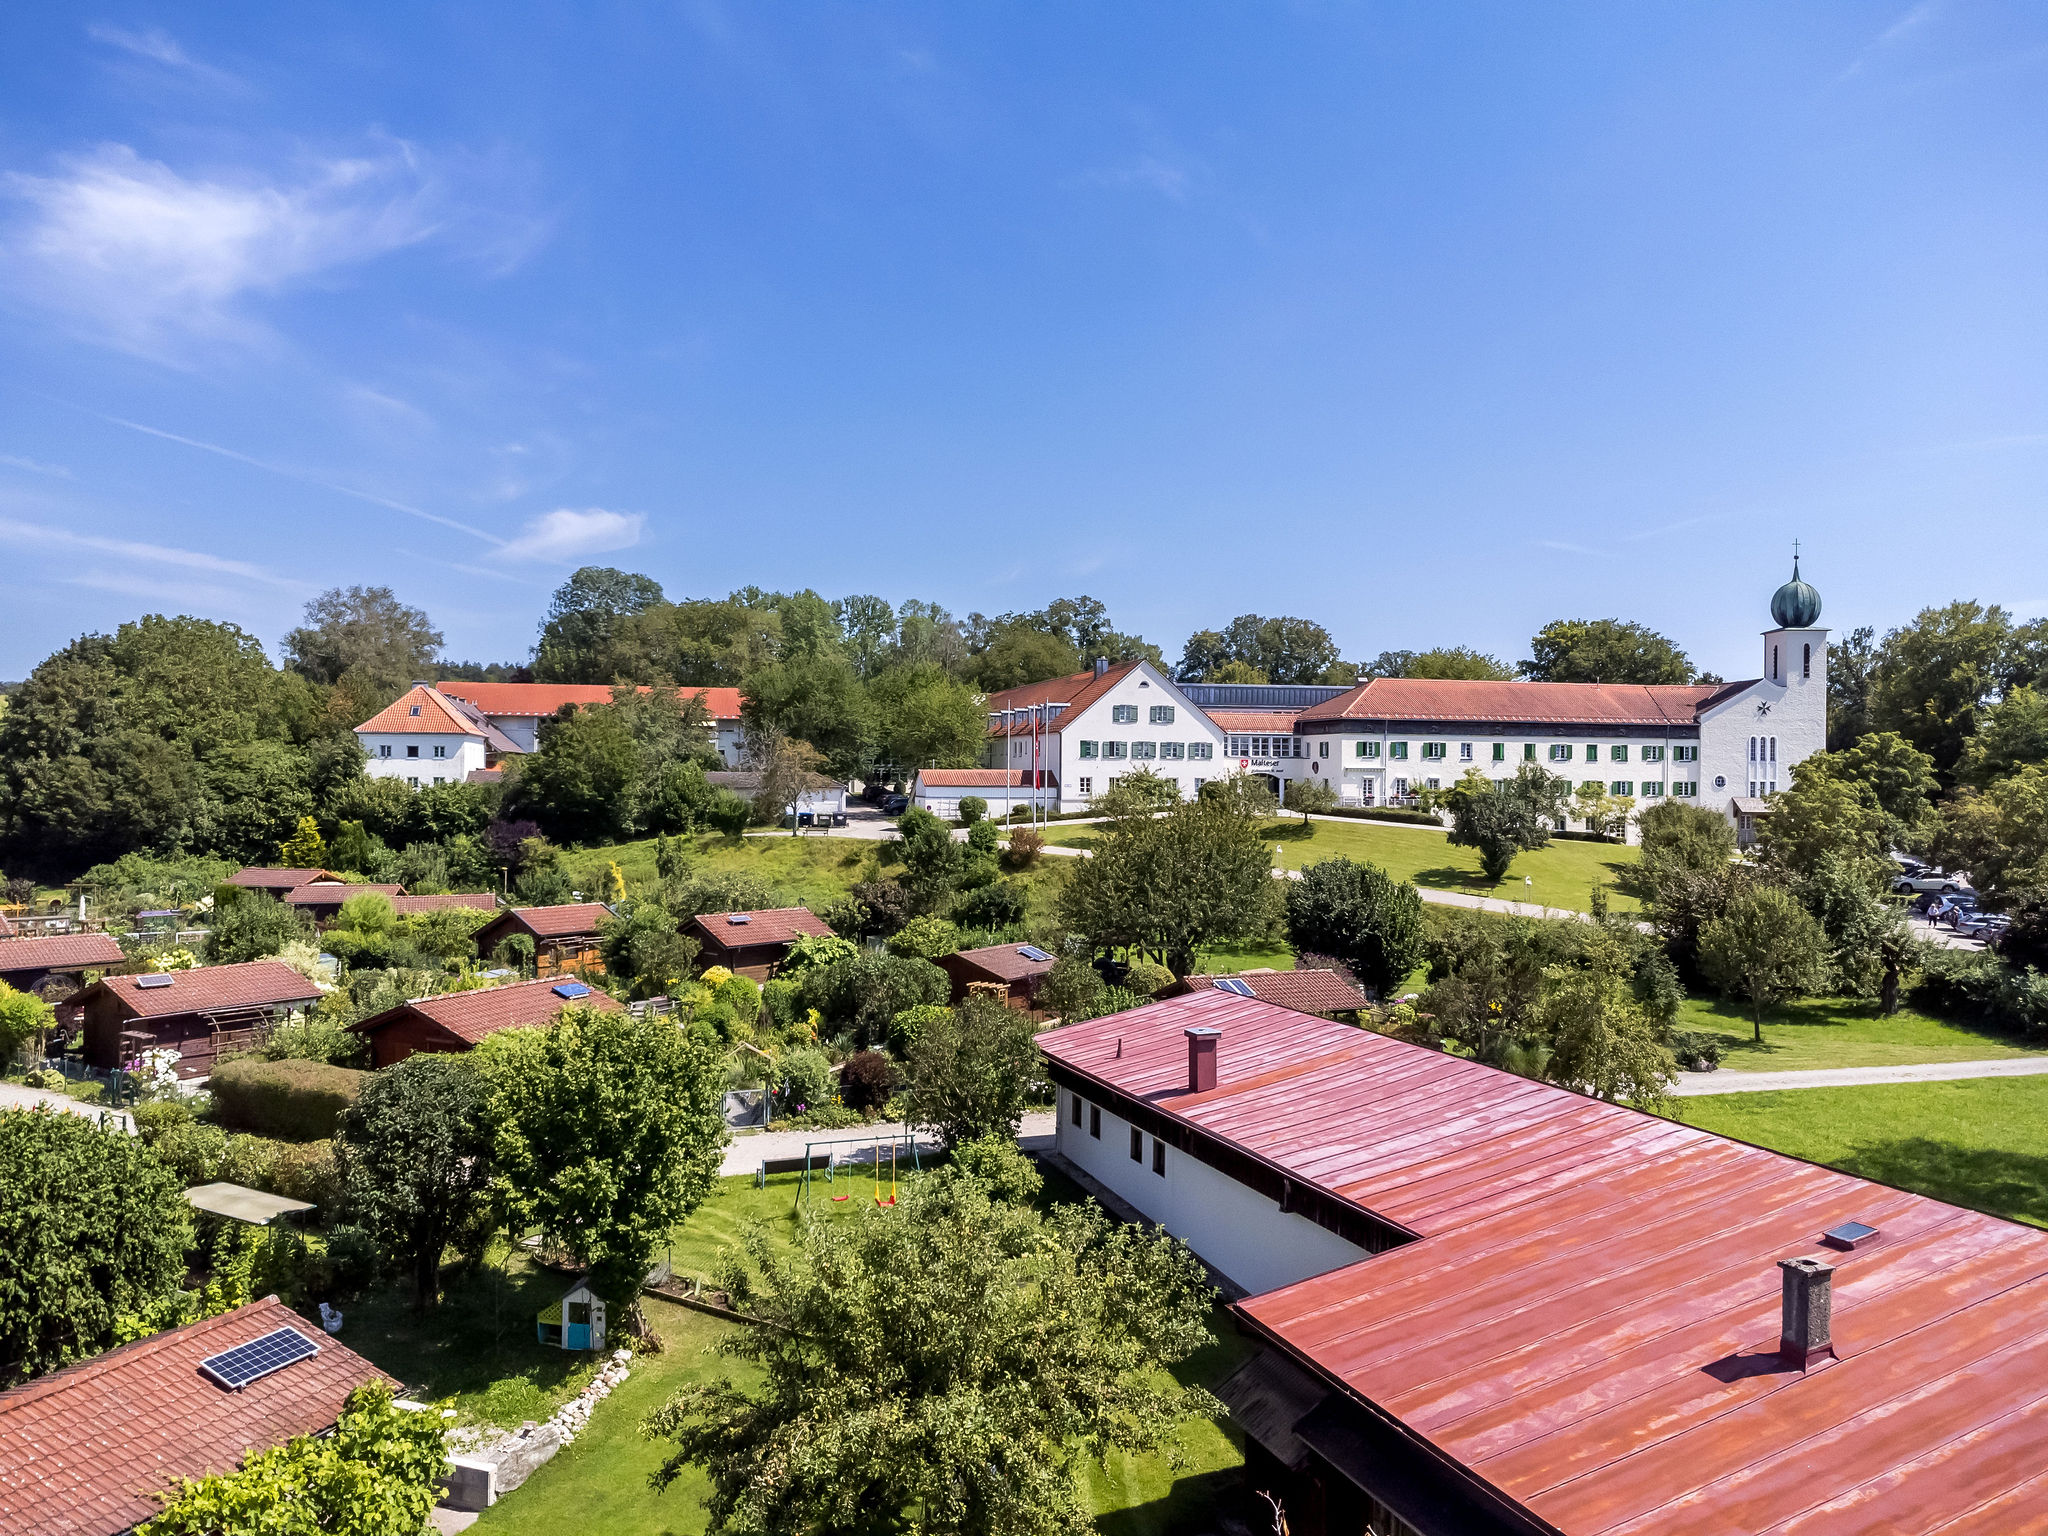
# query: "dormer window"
(415, 709)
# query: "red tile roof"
(6, 926)
(1006, 962)
(481, 901)
(1270, 722)
(472, 1015)
(1303, 991)
(1450, 700)
(776, 926)
(984, 778)
(1589, 1320)
(254, 984)
(265, 877)
(327, 893)
(1077, 691)
(435, 717)
(571, 920)
(61, 951)
(523, 700)
(82, 1451)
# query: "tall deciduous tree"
(584, 782)
(2011, 735)
(581, 639)
(1167, 885)
(92, 1227)
(608, 1131)
(971, 1070)
(1998, 834)
(945, 1367)
(1603, 1041)
(1930, 677)
(1766, 949)
(1453, 661)
(366, 630)
(1504, 818)
(815, 698)
(924, 718)
(1360, 914)
(1283, 649)
(1604, 651)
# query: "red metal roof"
(82, 1451)
(1589, 1321)
(472, 1015)
(523, 700)
(777, 925)
(1432, 700)
(59, 951)
(253, 984)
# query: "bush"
(190, 1150)
(865, 1081)
(783, 998)
(1391, 813)
(973, 809)
(353, 1259)
(905, 1028)
(305, 1171)
(1697, 1050)
(293, 1100)
(1027, 845)
(318, 1036)
(826, 1117)
(1147, 977)
(249, 1161)
(159, 1115)
(49, 1079)
(995, 1163)
(868, 992)
(999, 905)
(924, 938)
(804, 1082)
(1970, 984)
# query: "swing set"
(824, 1157)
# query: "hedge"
(291, 1100)
(1387, 813)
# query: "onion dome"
(1795, 605)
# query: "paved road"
(743, 1154)
(15, 1096)
(1696, 1084)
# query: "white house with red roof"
(428, 738)
(517, 709)
(1093, 727)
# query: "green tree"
(1930, 677)
(1313, 796)
(1603, 1041)
(378, 1473)
(932, 860)
(582, 782)
(252, 926)
(971, 1071)
(645, 948)
(92, 1227)
(1765, 949)
(1361, 915)
(814, 698)
(1285, 650)
(1167, 885)
(1244, 795)
(413, 1155)
(1822, 813)
(1503, 818)
(306, 849)
(1850, 663)
(1900, 776)
(1998, 834)
(867, 626)
(1604, 651)
(788, 769)
(608, 1130)
(1039, 1344)
(2011, 735)
(925, 718)
(1456, 661)
(366, 629)
(580, 639)
(925, 938)
(25, 1022)
(1602, 811)
(1020, 655)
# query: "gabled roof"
(1303, 991)
(260, 877)
(1450, 700)
(1588, 1317)
(253, 984)
(325, 893)
(1278, 722)
(777, 925)
(59, 951)
(472, 1015)
(421, 711)
(481, 901)
(534, 700)
(1076, 691)
(83, 1450)
(1006, 962)
(570, 920)
(985, 778)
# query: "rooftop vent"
(1232, 985)
(157, 980)
(1805, 1339)
(1102, 666)
(1849, 1235)
(1202, 1057)
(736, 918)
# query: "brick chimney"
(1202, 1057)
(1809, 1303)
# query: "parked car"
(875, 792)
(1929, 880)
(895, 805)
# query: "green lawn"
(1561, 875)
(1844, 1032)
(809, 870)
(1981, 1142)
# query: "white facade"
(1140, 721)
(1234, 1229)
(1749, 743)
(421, 760)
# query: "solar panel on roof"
(1033, 952)
(571, 989)
(236, 1368)
(1849, 1234)
(739, 917)
(152, 981)
(1232, 984)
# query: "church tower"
(1791, 709)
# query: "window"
(1617, 754)
(1086, 786)
(1161, 714)
(1173, 749)
(1465, 751)
(1774, 663)
(439, 780)
(1368, 749)
(1685, 754)
(1621, 787)
(1653, 754)
(1095, 1121)
(1115, 749)
(1652, 791)
(1528, 751)
(1202, 751)
(1433, 751)
(385, 750)
(1088, 749)
(1159, 1157)
(1500, 751)
(1434, 783)
(1560, 752)
(412, 751)
(440, 751)
(1806, 661)
(1198, 787)
(1687, 789)
(1077, 1109)
(1398, 750)
(1322, 749)
(1124, 714)
(1400, 789)
(415, 709)
(1592, 752)
(1144, 749)
(414, 781)
(1137, 1145)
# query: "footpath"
(745, 1152)
(1699, 1084)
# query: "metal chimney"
(1809, 1304)
(1202, 1057)
(1101, 666)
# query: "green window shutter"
(1500, 751)
(1528, 751)
(1618, 754)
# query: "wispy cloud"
(568, 534)
(42, 536)
(1574, 549)
(34, 467)
(1168, 178)
(1912, 20)
(153, 45)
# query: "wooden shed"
(1018, 969)
(200, 1013)
(752, 944)
(456, 1021)
(564, 938)
(26, 964)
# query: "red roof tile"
(265, 877)
(82, 1451)
(571, 920)
(481, 901)
(776, 926)
(523, 700)
(1272, 722)
(327, 893)
(984, 778)
(1303, 991)
(1589, 1319)
(254, 984)
(472, 1015)
(1005, 962)
(434, 717)
(60, 951)
(1455, 699)
(1076, 691)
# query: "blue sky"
(1431, 322)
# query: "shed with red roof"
(200, 1013)
(752, 944)
(564, 937)
(1019, 969)
(456, 1021)
(26, 964)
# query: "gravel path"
(1696, 1084)
(15, 1096)
(743, 1154)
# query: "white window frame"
(1123, 714)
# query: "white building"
(1089, 729)
(940, 790)
(517, 709)
(427, 738)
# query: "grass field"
(1981, 1143)
(1843, 1032)
(1560, 875)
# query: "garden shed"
(456, 1021)
(574, 1322)
(752, 944)
(26, 964)
(1019, 969)
(199, 1013)
(564, 938)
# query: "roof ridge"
(134, 1349)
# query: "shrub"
(293, 1100)
(159, 1115)
(924, 938)
(868, 991)
(49, 1079)
(995, 1163)
(734, 1010)
(973, 809)
(783, 998)
(814, 952)
(865, 1081)
(250, 1161)
(190, 1150)
(1147, 977)
(305, 1171)
(998, 905)
(827, 1117)
(1027, 844)
(905, 1028)
(1974, 985)
(1697, 1050)
(353, 1259)
(318, 1036)
(805, 1082)
(883, 906)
